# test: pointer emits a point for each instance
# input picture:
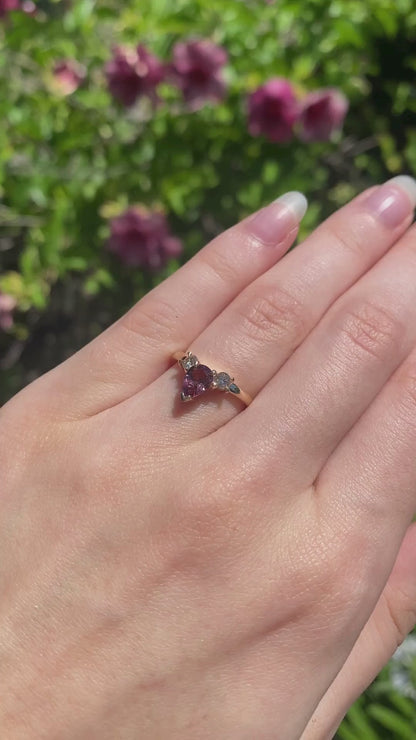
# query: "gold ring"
(200, 378)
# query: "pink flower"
(142, 238)
(29, 7)
(273, 110)
(132, 73)
(6, 6)
(197, 70)
(7, 305)
(322, 113)
(68, 76)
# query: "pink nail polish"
(273, 223)
(393, 201)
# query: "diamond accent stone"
(234, 388)
(196, 381)
(223, 380)
(188, 362)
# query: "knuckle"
(273, 314)
(371, 329)
(152, 318)
(211, 518)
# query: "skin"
(206, 570)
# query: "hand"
(206, 570)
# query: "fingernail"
(393, 201)
(272, 224)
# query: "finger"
(373, 471)
(392, 619)
(138, 347)
(366, 493)
(323, 389)
(255, 335)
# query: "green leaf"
(392, 721)
(360, 723)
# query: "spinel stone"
(197, 380)
(223, 379)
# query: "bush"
(75, 154)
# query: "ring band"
(201, 378)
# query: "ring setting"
(200, 378)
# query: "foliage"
(70, 162)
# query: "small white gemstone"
(189, 362)
(223, 379)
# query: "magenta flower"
(132, 73)
(273, 110)
(7, 305)
(68, 76)
(197, 70)
(322, 113)
(29, 7)
(6, 6)
(142, 238)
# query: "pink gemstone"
(197, 380)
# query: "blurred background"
(132, 133)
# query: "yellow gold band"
(200, 378)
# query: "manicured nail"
(393, 201)
(273, 223)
